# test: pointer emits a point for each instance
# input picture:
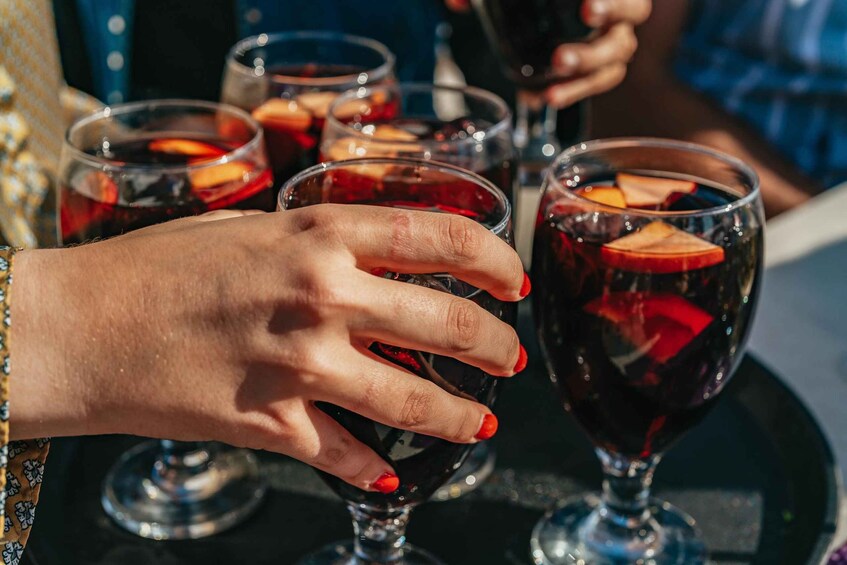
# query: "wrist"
(47, 395)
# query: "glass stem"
(535, 136)
(380, 535)
(626, 490)
(183, 470)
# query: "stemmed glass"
(646, 269)
(422, 463)
(467, 127)
(525, 33)
(130, 166)
(288, 81)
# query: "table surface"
(800, 331)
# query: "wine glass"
(646, 269)
(463, 126)
(288, 81)
(467, 127)
(423, 463)
(525, 33)
(133, 165)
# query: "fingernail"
(386, 483)
(596, 13)
(522, 360)
(568, 62)
(488, 427)
(379, 271)
(526, 287)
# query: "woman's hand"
(231, 328)
(598, 64)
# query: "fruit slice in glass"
(642, 313)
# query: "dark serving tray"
(757, 475)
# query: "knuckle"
(417, 408)
(463, 325)
(467, 426)
(462, 238)
(337, 454)
(401, 240)
(645, 9)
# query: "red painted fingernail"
(488, 427)
(526, 287)
(379, 272)
(522, 360)
(386, 483)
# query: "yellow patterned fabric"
(31, 124)
(31, 129)
(21, 462)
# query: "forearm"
(651, 102)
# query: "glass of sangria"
(463, 126)
(288, 81)
(133, 165)
(422, 463)
(525, 33)
(646, 269)
(467, 127)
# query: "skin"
(598, 64)
(229, 328)
(650, 94)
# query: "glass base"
(342, 554)
(478, 466)
(194, 502)
(570, 536)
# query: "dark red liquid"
(95, 204)
(500, 170)
(292, 131)
(640, 353)
(423, 463)
(527, 33)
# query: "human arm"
(651, 101)
(232, 329)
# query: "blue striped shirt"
(781, 66)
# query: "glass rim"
(658, 143)
(416, 87)
(261, 40)
(107, 112)
(465, 174)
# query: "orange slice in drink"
(660, 248)
(608, 195)
(659, 325)
(283, 113)
(99, 186)
(188, 147)
(225, 173)
(646, 192)
(317, 103)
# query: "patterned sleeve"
(21, 462)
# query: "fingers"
(601, 13)
(425, 319)
(409, 241)
(616, 46)
(377, 389)
(571, 92)
(326, 445)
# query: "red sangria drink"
(134, 165)
(423, 463)
(288, 82)
(525, 34)
(97, 204)
(467, 127)
(646, 268)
